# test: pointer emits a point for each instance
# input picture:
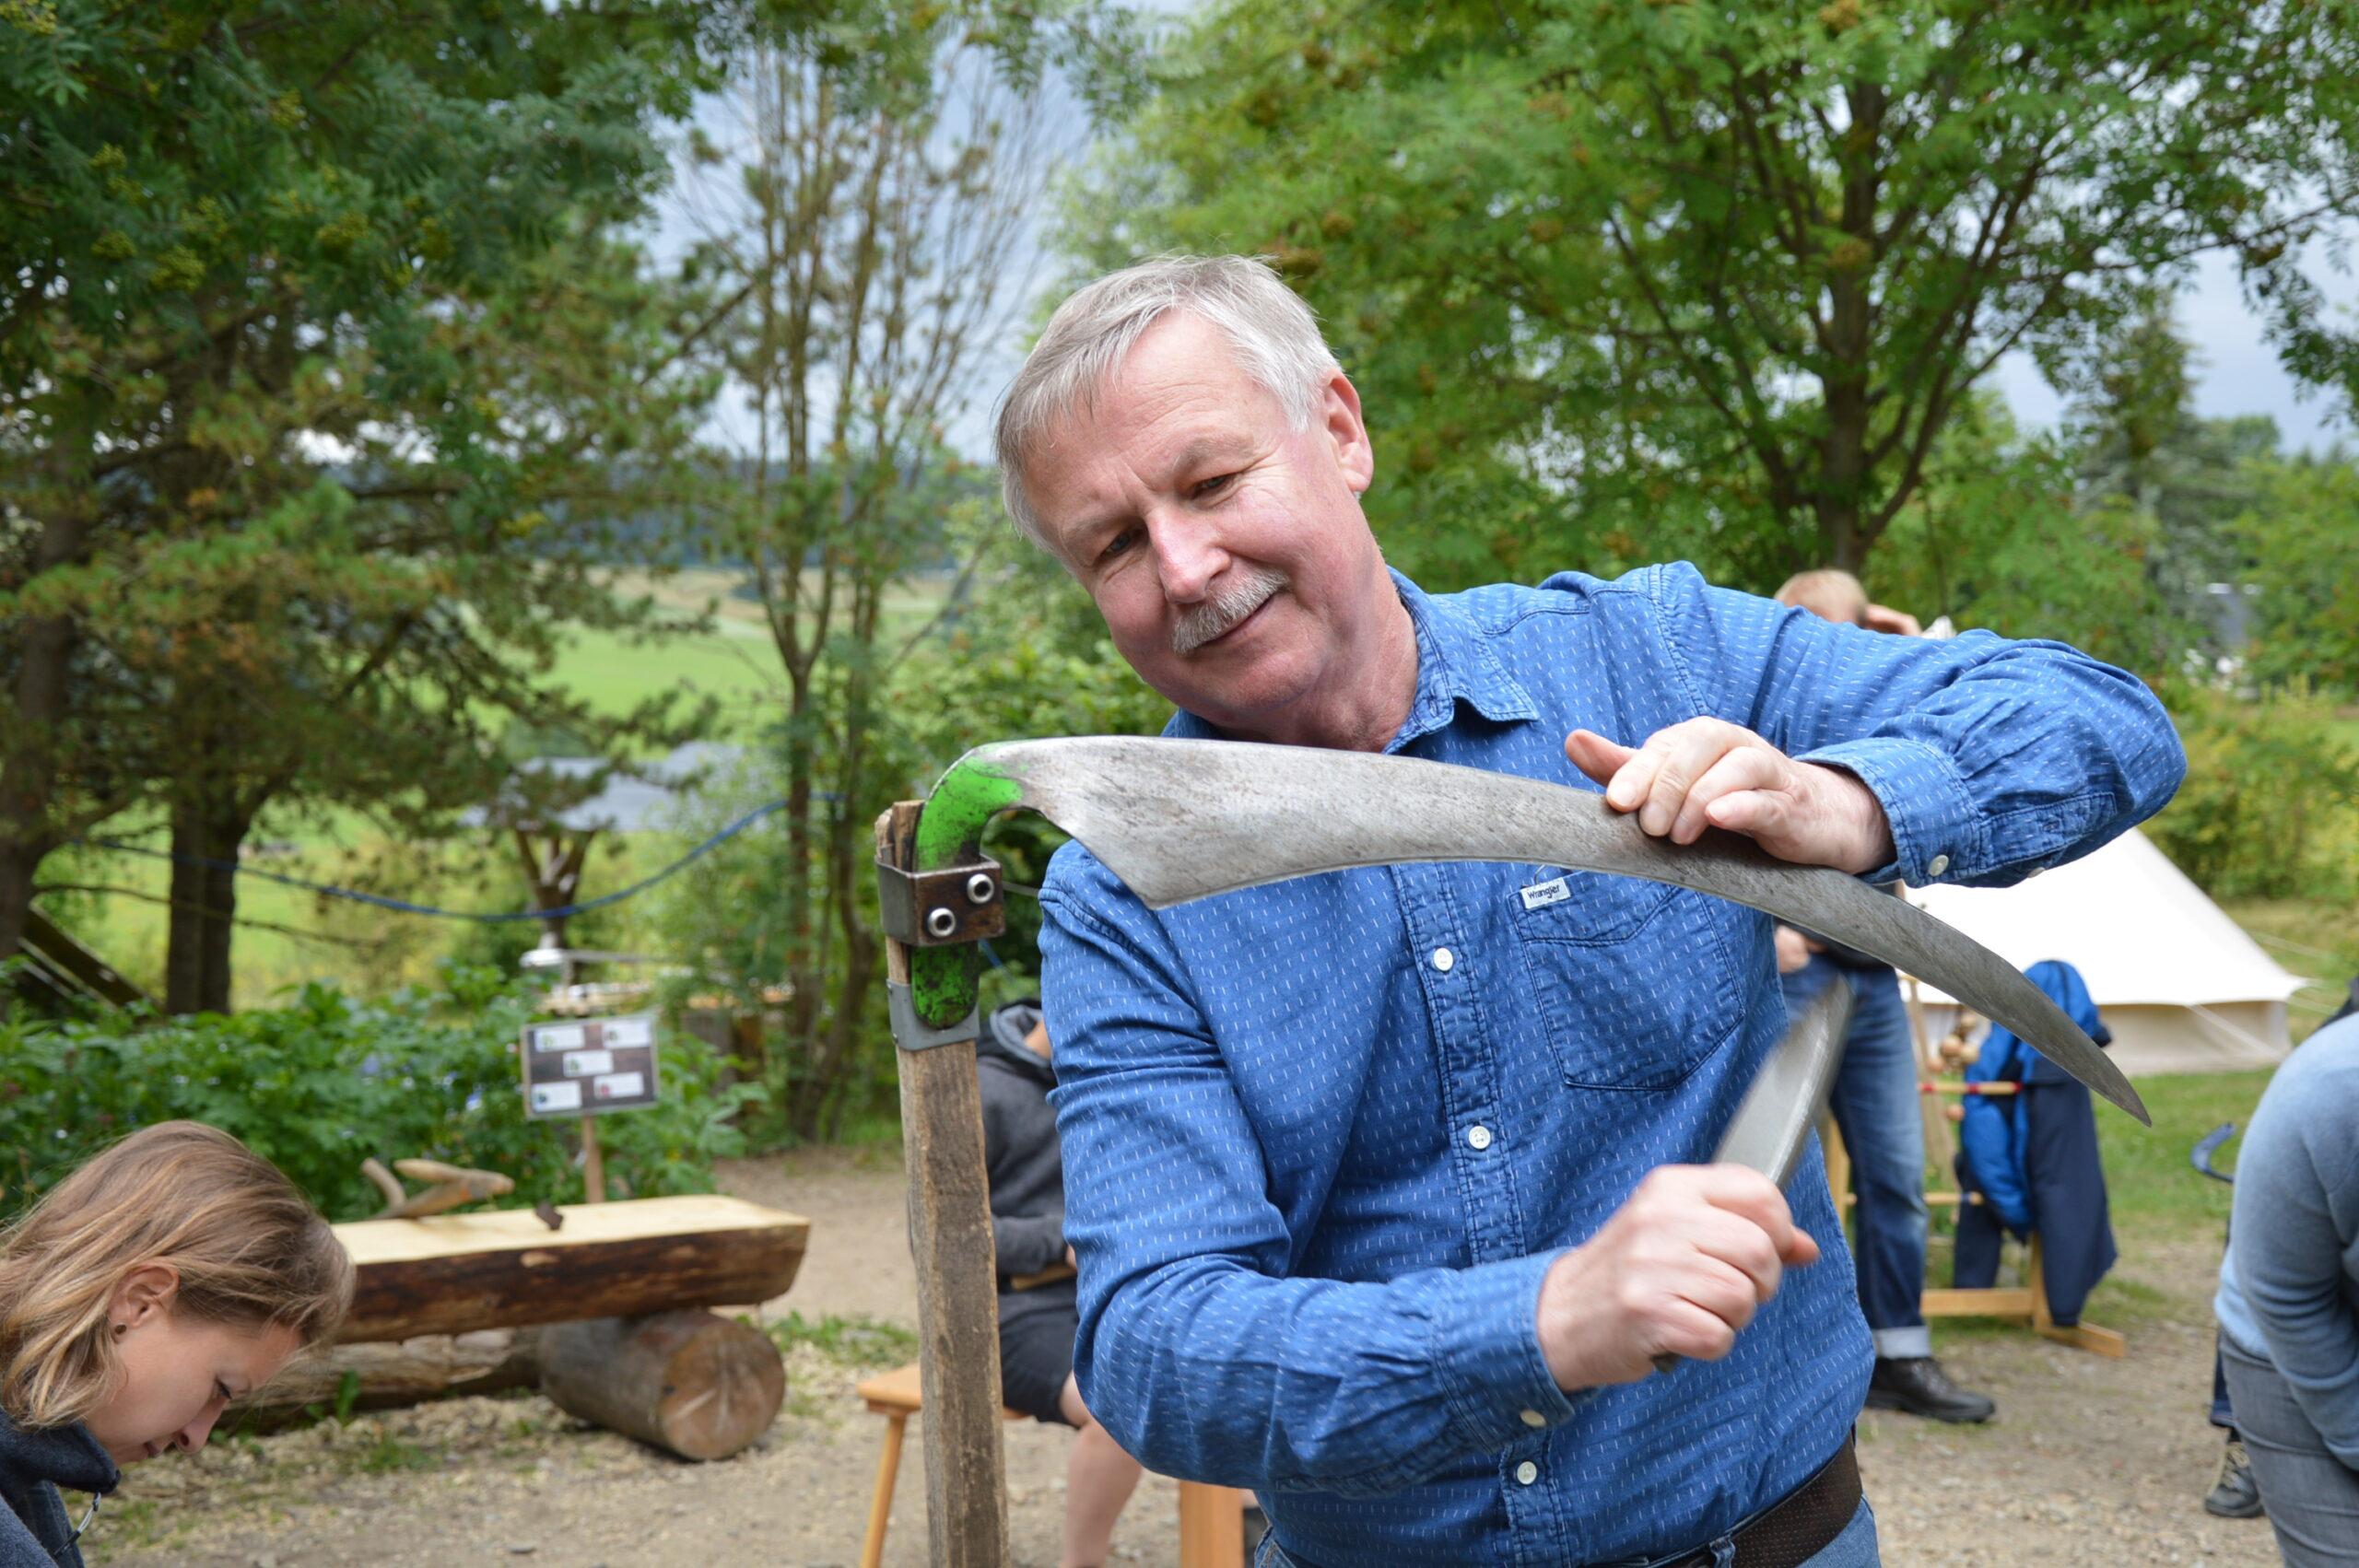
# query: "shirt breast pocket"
(1634, 980)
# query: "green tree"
(2142, 447)
(1634, 277)
(868, 203)
(314, 332)
(2303, 538)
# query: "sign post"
(585, 1068)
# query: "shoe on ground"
(2233, 1495)
(1919, 1386)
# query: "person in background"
(1875, 1100)
(170, 1274)
(1037, 1316)
(2289, 1330)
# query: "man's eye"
(1213, 486)
(1119, 544)
(221, 1390)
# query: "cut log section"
(691, 1383)
(506, 1268)
(485, 1362)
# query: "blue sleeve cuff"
(1936, 830)
(1487, 1350)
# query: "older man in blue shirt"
(1382, 1182)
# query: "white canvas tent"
(2182, 986)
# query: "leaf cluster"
(328, 1080)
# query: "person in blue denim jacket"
(1386, 1186)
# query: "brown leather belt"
(1798, 1527)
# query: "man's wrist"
(1870, 830)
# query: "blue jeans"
(2312, 1497)
(1855, 1547)
(1876, 1105)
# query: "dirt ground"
(2090, 1460)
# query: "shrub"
(2271, 805)
(322, 1084)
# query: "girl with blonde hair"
(170, 1274)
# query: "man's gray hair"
(1272, 331)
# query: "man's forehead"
(1176, 399)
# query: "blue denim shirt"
(1322, 1139)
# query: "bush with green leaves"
(2271, 805)
(322, 1084)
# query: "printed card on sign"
(588, 1067)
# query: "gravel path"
(2091, 1461)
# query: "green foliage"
(1631, 279)
(2303, 535)
(2271, 805)
(1997, 539)
(318, 1086)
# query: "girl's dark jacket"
(34, 1529)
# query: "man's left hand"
(1709, 773)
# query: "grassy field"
(294, 936)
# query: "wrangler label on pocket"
(1540, 895)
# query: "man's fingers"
(1684, 752)
(1690, 1333)
(1745, 1192)
(1745, 769)
(1596, 755)
(1735, 1242)
(1763, 814)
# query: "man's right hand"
(1678, 1269)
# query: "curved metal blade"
(1773, 1120)
(1178, 820)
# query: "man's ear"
(1339, 412)
(147, 1292)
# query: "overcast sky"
(2235, 370)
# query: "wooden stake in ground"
(950, 1236)
(594, 1169)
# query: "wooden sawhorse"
(1211, 1519)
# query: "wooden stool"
(1211, 1519)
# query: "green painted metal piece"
(945, 982)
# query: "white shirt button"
(1527, 1472)
(1478, 1138)
(1443, 959)
(1937, 865)
(1534, 1418)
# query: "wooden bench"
(1211, 1519)
(607, 1312)
(505, 1268)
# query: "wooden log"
(693, 1384)
(505, 1268)
(950, 1239)
(404, 1371)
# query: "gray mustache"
(1200, 623)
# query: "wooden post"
(950, 1238)
(1212, 1527)
(593, 1167)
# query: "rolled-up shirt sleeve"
(1196, 1352)
(1992, 759)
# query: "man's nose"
(1187, 556)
